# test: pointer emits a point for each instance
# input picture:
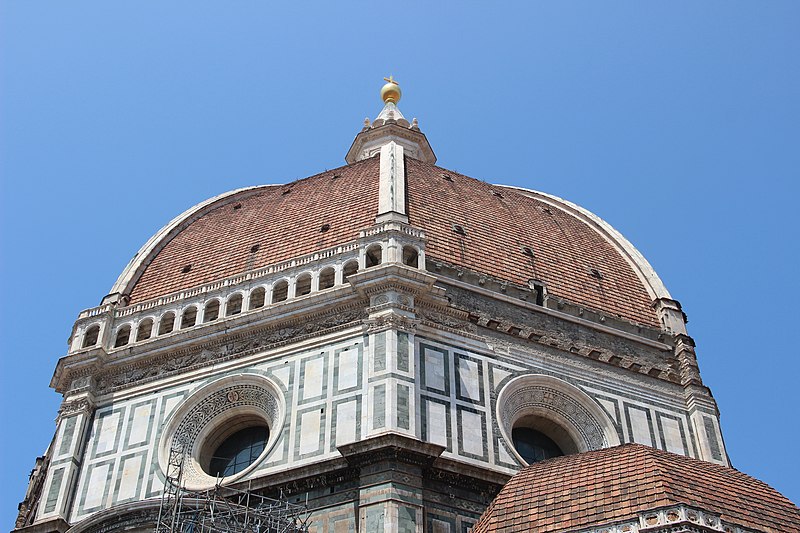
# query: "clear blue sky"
(677, 122)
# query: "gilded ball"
(390, 93)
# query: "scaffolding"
(222, 509)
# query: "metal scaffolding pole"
(222, 509)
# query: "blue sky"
(677, 122)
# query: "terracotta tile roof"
(566, 249)
(498, 227)
(283, 225)
(616, 484)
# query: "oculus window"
(534, 446)
(238, 451)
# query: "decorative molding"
(230, 347)
(672, 519)
(447, 318)
(73, 407)
(138, 516)
(391, 321)
(307, 484)
(536, 398)
(484, 491)
(521, 324)
(205, 411)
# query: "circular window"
(238, 451)
(534, 446)
(541, 417)
(225, 429)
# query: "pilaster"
(73, 426)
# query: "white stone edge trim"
(139, 261)
(655, 287)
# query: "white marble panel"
(346, 423)
(505, 456)
(499, 375)
(348, 369)
(96, 486)
(312, 378)
(106, 439)
(437, 423)
(434, 369)
(672, 435)
(140, 424)
(468, 374)
(609, 408)
(310, 424)
(170, 404)
(129, 477)
(640, 426)
(472, 432)
(282, 375)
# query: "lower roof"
(616, 484)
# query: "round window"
(224, 428)
(534, 446)
(238, 451)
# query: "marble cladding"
(424, 387)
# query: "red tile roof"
(497, 228)
(498, 223)
(616, 484)
(283, 225)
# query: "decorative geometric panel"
(346, 426)
(640, 424)
(673, 436)
(471, 424)
(107, 432)
(347, 372)
(469, 378)
(379, 406)
(434, 369)
(309, 436)
(313, 378)
(379, 354)
(403, 394)
(402, 352)
(436, 426)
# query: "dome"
(392, 324)
(636, 484)
(509, 234)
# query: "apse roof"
(616, 484)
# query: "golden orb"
(391, 91)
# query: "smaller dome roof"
(617, 484)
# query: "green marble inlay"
(712, 438)
(402, 407)
(380, 351)
(55, 489)
(379, 407)
(66, 438)
(402, 351)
